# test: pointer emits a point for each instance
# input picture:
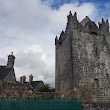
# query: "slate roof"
(36, 83)
(4, 70)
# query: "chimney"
(23, 79)
(30, 78)
(11, 59)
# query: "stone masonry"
(83, 56)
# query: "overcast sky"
(28, 28)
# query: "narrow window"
(107, 75)
(96, 82)
(96, 51)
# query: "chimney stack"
(23, 79)
(30, 78)
(11, 59)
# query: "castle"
(83, 56)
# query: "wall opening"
(96, 82)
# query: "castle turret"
(72, 22)
(75, 16)
(11, 59)
(70, 17)
(104, 26)
(103, 22)
(107, 26)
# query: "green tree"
(44, 88)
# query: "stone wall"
(63, 81)
(25, 91)
(10, 90)
(91, 62)
(22, 91)
(96, 106)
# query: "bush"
(44, 88)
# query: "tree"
(44, 88)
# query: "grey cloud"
(36, 62)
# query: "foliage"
(44, 88)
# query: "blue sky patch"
(57, 3)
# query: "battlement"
(86, 25)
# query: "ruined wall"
(15, 91)
(23, 91)
(96, 106)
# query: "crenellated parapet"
(58, 41)
(104, 27)
(72, 22)
(86, 25)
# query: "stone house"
(35, 84)
(7, 72)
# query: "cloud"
(28, 28)
(34, 60)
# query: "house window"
(96, 82)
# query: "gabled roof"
(36, 83)
(4, 70)
(85, 21)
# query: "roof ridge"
(85, 21)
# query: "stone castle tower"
(83, 55)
